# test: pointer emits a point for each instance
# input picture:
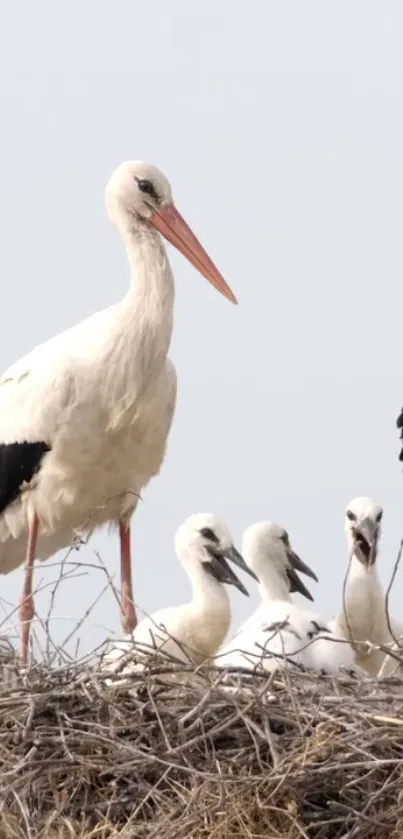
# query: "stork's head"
(203, 542)
(138, 192)
(363, 529)
(267, 551)
(137, 188)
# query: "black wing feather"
(19, 462)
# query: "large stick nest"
(175, 753)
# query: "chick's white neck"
(273, 584)
(209, 595)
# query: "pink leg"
(27, 603)
(127, 610)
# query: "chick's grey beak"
(366, 541)
(219, 569)
(301, 566)
(296, 584)
(368, 529)
(234, 556)
(296, 564)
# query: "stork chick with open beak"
(363, 527)
(362, 618)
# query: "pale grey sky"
(280, 127)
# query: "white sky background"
(280, 127)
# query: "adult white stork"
(362, 617)
(84, 418)
(193, 631)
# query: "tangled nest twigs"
(182, 754)
(177, 753)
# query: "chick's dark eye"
(207, 533)
(379, 516)
(351, 515)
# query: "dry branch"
(177, 752)
(172, 754)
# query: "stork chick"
(279, 633)
(193, 631)
(362, 617)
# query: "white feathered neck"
(141, 324)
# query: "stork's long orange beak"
(169, 222)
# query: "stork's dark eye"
(379, 516)
(145, 186)
(207, 533)
(351, 516)
(148, 188)
(285, 538)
